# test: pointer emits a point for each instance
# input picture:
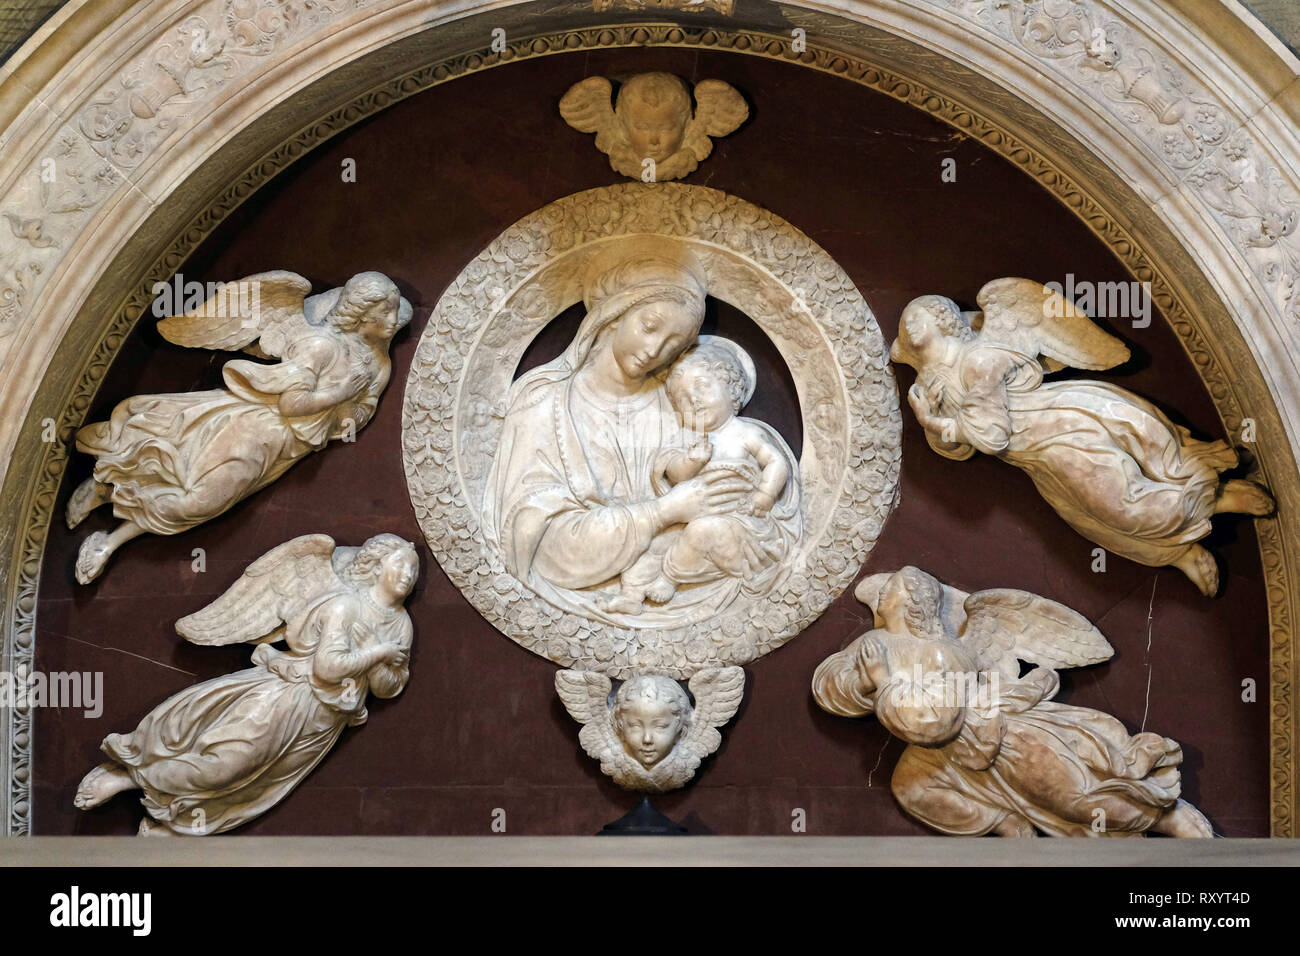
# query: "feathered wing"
(585, 695)
(718, 692)
(719, 110)
(271, 591)
(270, 308)
(1033, 319)
(588, 107)
(1005, 625)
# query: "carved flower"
(603, 649)
(698, 650)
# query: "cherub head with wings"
(648, 736)
(652, 124)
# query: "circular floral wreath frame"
(786, 283)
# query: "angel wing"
(588, 107)
(1005, 625)
(1033, 319)
(585, 695)
(717, 692)
(268, 306)
(719, 110)
(270, 592)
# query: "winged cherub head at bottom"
(650, 713)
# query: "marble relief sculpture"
(990, 751)
(651, 131)
(648, 736)
(599, 477)
(167, 463)
(1112, 464)
(222, 752)
(614, 509)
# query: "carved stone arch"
(1171, 130)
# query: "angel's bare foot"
(1014, 825)
(90, 494)
(1199, 565)
(623, 604)
(1239, 496)
(1184, 820)
(105, 781)
(92, 557)
(660, 590)
(99, 547)
(150, 828)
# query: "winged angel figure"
(1112, 464)
(222, 752)
(989, 751)
(653, 120)
(649, 738)
(170, 462)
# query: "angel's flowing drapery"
(1110, 463)
(1053, 764)
(177, 460)
(220, 753)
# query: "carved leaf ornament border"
(37, 516)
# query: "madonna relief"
(613, 509)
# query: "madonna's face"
(650, 336)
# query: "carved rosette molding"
(793, 290)
(1233, 389)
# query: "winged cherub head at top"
(651, 131)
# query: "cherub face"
(650, 336)
(654, 132)
(648, 729)
(703, 400)
(397, 572)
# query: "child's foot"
(622, 604)
(660, 590)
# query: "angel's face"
(397, 573)
(654, 132)
(648, 729)
(381, 319)
(650, 336)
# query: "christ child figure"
(708, 387)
